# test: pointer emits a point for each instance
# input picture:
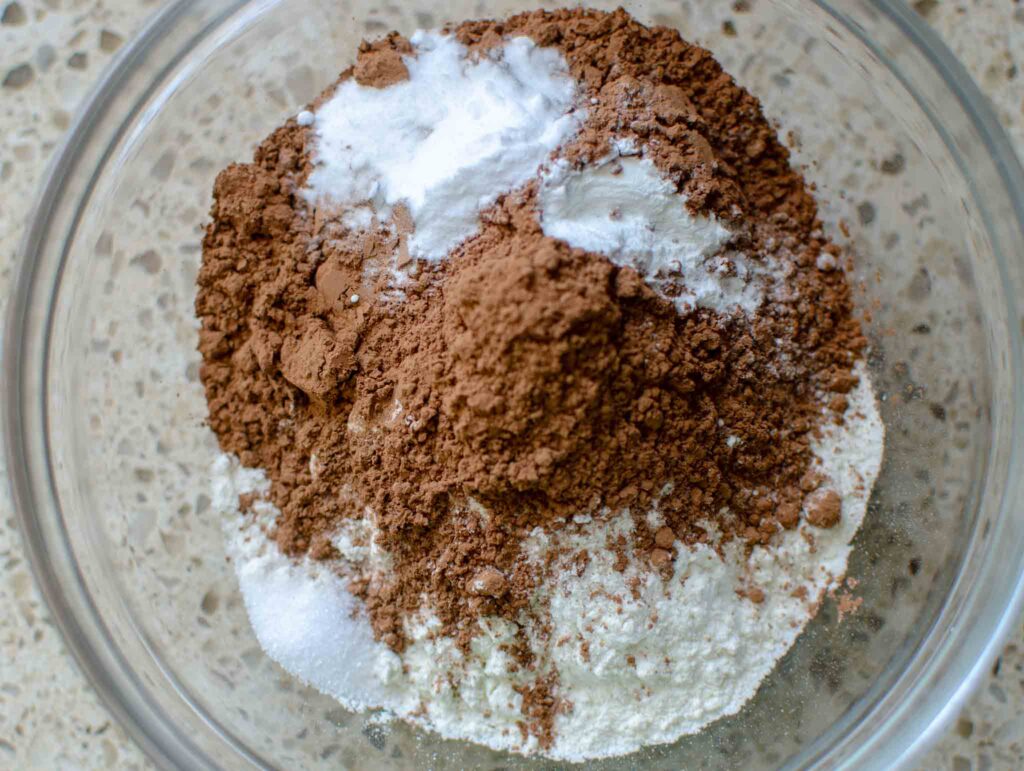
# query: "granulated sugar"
(642, 658)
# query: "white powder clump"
(623, 208)
(447, 141)
(641, 665)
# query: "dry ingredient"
(553, 383)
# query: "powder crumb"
(823, 508)
(847, 604)
(488, 583)
(788, 514)
(754, 594)
(665, 538)
(380, 64)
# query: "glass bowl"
(109, 455)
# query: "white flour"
(700, 649)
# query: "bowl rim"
(121, 692)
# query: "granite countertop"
(51, 52)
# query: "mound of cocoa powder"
(534, 380)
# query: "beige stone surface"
(51, 52)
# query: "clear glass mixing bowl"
(109, 456)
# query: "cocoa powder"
(520, 377)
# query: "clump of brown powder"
(522, 377)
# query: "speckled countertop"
(51, 52)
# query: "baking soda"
(447, 141)
(622, 207)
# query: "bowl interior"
(129, 452)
